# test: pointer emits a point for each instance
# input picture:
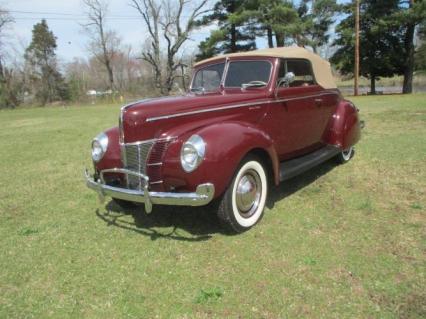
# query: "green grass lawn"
(337, 242)
(419, 80)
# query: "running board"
(294, 167)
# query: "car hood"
(137, 117)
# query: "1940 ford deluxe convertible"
(250, 120)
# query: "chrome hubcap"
(248, 193)
(347, 153)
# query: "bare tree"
(131, 75)
(166, 17)
(8, 92)
(5, 21)
(104, 43)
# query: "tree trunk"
(357, 43)
(233, 38)
(170, 75)
(110, 74)
(270, 39)
(373, 85)
(1, 72)
(279, 37)
(182, 70)
(407, 87)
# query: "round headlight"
(192, 153)
(99, 147)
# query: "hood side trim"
(228, 107)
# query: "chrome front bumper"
(202, 196)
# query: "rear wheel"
(243, 203)
(346, 155)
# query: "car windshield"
(208, 79)
(240, 74)
(248, 74)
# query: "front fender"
(112, 156)
(226, 145)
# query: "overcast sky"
(65, 18)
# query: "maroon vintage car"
(250, 120)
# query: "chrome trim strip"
(157, 182)
(123, 154)
(153, 140)
(225, 73)
(202, 196)
(154, 164)
(152, 119)
(124, 107)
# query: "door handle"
(318, 102)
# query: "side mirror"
(288, 79)
(285, 81)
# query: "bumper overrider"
(202, 196)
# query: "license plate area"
(135, 182)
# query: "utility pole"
(356, 71)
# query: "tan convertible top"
(320, 66)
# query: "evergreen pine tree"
(410, 15)
(382, 46)
(304, 23)
(41, 57)
(230, 36)
(420, 56)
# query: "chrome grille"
(155, 160)
(134, 158)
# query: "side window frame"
(285, 60)
(251, 60)
(205, 67)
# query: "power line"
(65, 19)
(39, 12)
(82, 20)
(75, 17)
(70, 14)
(113, 16)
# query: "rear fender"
(344, 128)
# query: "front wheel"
(243, 203)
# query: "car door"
(296, 115)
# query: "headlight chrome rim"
(99, 147)
(192, 153)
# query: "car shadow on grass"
(293, 185)
(165, 222)
(194, 223)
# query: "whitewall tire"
(346, 155)
(243, 203)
